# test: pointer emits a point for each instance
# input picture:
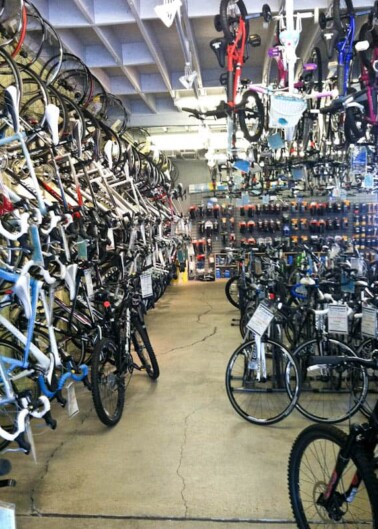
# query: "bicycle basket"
(285, 111)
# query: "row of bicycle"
(91, 232)
(301, 324)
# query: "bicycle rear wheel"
(232, 291)
(262, 400)
(329, 394)
(108, 389)
(311, 465)
(143, 348)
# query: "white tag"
(143, 233)
(260, 320)
(72, 405)
(111, 244)
(146, 285)
(369, 321)
(30, 438)
(7, 515)
(338, 319)
(88, 282)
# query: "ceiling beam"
(193, 45)
(152, 45)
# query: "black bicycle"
(333, 475)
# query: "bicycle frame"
(344, 49)
(235, 59)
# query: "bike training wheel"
(251, 116)
(270, 399)
(144, 350)
(230, 13)
(108, 389)
(364, 351)
(329, 394)
(232, 291)
(8, 412)
(311, 465)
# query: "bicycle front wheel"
(311, 465)
(251, 116)
(108, 389)
(329, 394)
(232, 291)
(258, 397)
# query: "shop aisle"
(180, 457)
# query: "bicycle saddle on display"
(219, 47)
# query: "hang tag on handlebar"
(146, 285)
(260, 320)
(72, 405)
(369, 322)
(30, 438)
(7, 515)
(111, 245)
(338, 319)
(88, 282)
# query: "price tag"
(30, 438)
(260, 320)
(338, 319)
(111, 245)
(7, 515)
(146, 285)
(369, 321)
(82, 249)
(72, 405)
(88, 282)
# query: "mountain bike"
(113, 363)
(332, 475)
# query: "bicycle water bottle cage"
(219, 47)
(22, 290)
(254, 40)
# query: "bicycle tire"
(276, 396)
(337, 16)
(232, 291)
(329, 394)
(364, 351)
(354, 124)
(311, 464)
(225, 20)
(105, 381)
(250, 116)
(8, 412)
(142, 346)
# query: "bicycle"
(332, 475)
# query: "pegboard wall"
(230, 221)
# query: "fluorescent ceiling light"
(167, 11)
(204, 102)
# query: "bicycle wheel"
(108, 389)
(262, 399)
(9, 411)
(143, 348)
(311, 465)
(232, 291)
(230, 12)
(364, 351)
(329, 394)
(251, 116)
(342, 8)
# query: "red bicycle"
(243, 107)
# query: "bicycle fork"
(331, 499)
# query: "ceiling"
(140, 60)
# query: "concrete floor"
(180, 457)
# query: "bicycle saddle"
(254, 40)
(219, 47)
